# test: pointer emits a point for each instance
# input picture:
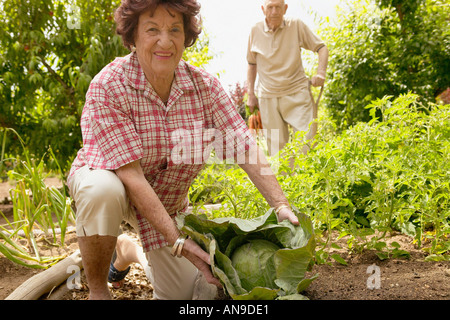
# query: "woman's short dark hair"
(127, 18)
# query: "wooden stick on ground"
(44, 282)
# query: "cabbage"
(254, 264)
(256, 259)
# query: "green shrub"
(390, 174)
(35, 207)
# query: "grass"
(35, 207)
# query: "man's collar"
(267, 29)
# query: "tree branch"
(57, 76)
(399, 10)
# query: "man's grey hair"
(264, 2)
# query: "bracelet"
(178, 246)
(278, 209)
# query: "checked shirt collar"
(135, 76)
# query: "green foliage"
(390, 174)
(199, 54)
(49, 52)
(387, 49)
(35, 207)
(404, 8)
(292, 252)
(230, 186)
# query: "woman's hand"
(265, 180)
(199, 258)
(287, 214)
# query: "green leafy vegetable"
(254, 263)
(281, 253)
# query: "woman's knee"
(101, 203)
(103, 185)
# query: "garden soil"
(365, 277)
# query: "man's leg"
(297, 110)
(275, 129)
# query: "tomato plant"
(390, 174)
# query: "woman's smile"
(163, 55)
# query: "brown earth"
(398, 279)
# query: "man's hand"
(318, 81)
(252, 102)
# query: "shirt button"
(163, 166)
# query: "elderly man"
(274, 54)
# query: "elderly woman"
(139, 111)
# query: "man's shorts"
(277, 114)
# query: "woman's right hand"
(199, 258)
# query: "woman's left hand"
(287, 214)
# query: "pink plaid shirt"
(124, 120)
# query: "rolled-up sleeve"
(251, 55)
(111, 140)
(308, 39)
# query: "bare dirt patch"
(399, 279)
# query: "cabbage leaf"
(221, 236)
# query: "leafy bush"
(50, 52)
(385, 47)
(390, 174)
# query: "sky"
(228, 23)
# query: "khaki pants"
(277, 114)
(102, 205)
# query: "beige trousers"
(277, 114)
(102, 205)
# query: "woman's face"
(159, 43)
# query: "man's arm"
(319, 79)
(252, 101)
